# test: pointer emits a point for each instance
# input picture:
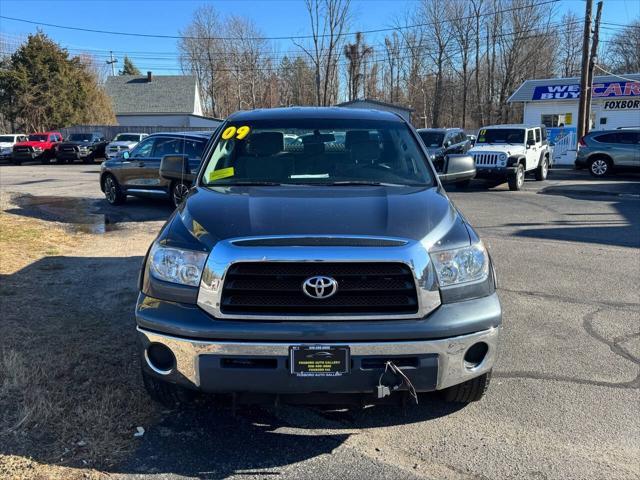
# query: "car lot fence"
(110, 131)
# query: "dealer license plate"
(319, 360)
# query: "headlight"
(461, 265)
(37, 149)
(503, 156)
(177, 266)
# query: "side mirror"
(176, 167)
(457, 168)
(531, 142)
(126, 155)
(447, 144)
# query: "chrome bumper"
(451, 365)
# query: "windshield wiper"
(374, 184)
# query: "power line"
(289, 37)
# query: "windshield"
(501, 135)
(126, 137)
(37, 138)
(80, 137)
(432, 139)
(6, 138)
(326, 152)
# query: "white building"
(157, 101)
(554, 102)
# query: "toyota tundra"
(307, 269)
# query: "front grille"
(486, 159)
(68, 149)
(275, 288)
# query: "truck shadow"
(73, 395)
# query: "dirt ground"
(67, 404)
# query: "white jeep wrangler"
(508, 152)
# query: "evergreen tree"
(128, 68)
(41, 88)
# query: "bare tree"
(623, 54)
(357, 54)
(328, 19)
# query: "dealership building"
(554, 102)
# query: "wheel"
(112, 191)
(45, 160)
(463, 184)
(469, 391)
(16, 161)
(599, 167)
(543, 170)
(516, 179)
(89, 159)
(179, 191)
(61, 161)
(167, 394)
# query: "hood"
(6, 144)
(213, 214)
(123, 143)
(76, 144)
(497, 147)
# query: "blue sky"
(274, 18)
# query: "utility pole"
(585, 69)
(592, 64)
(112, 62)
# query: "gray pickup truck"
(334, 265)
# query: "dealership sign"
(622, 105)
(599, 90)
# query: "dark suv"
(137, 172)
(327, 267)
(607, 150)
(81, 146)
(444, 141)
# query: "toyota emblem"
(320, 287)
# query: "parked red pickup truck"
(39, 146)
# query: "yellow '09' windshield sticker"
(222, 173)
(236, 132)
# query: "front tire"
(599, 167)
(516, 179)
(167, 394)
(112, 191)
(178, 191)
(463, 184)
(469, 391)
(543, 170)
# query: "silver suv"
(607, 150)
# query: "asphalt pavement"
(565, 397)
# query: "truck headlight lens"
(177, 266)
(503, 157)
(461, 265)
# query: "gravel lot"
(564, 401)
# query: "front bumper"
(482, 172)
(22, 156)
(62, 155)
(226, 367)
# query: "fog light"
(475, 355)
(160, 358)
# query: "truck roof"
(305, 113)
(512, 125)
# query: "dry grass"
(70, 392)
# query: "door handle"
(141, 164)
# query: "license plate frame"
(319, 360)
